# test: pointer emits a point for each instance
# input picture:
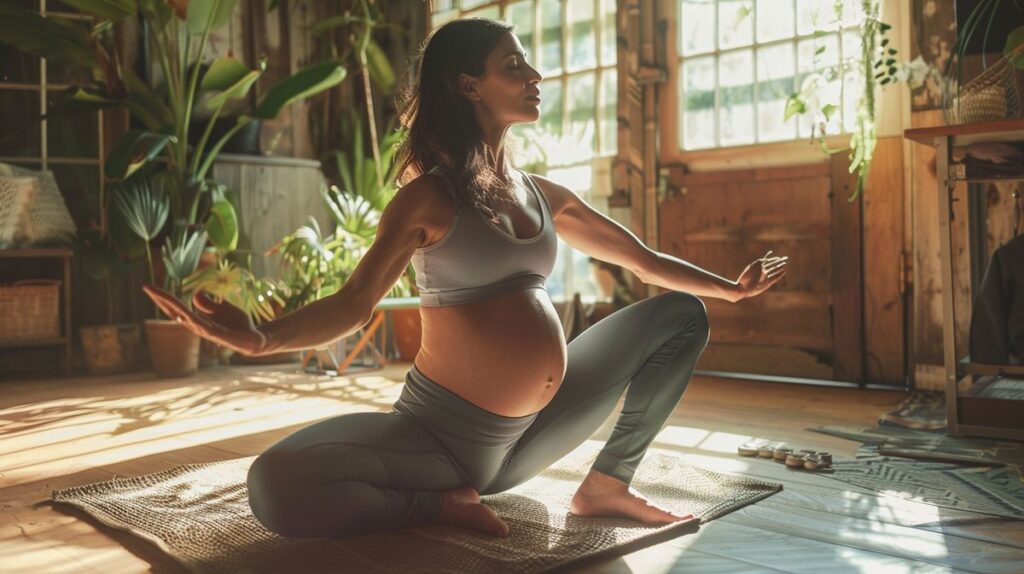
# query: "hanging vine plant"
(877, 66)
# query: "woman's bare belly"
(505, 354)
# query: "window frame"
(451, 9)
(44, 160)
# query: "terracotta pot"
(173, 349)
(408, 332)
(109, 349)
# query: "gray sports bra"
(475, 260)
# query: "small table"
(969, 415)
(65, 339)
(366, 334)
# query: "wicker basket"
(991, 96)
(30, 309)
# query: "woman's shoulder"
(426, 200)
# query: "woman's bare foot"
(603, 495)
(462, 507)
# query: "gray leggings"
(360, 473)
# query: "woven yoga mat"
(199, 515)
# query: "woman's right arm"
(399, 233)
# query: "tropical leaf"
(133, 150)
(205, 15)
(305, 83)
(108, 9)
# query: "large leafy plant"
(176, 33)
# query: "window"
(572, 43)
(71, 146)
(739, 61)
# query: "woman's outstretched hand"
(222, 323)
(761, 274)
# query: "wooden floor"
(59, 433)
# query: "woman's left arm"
(592, 232)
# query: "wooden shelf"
(968, 415)
(31, 252)
(967, 134)
(48, 342)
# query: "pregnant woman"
(495, 395)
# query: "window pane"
(775, 70)
(853, 83)
(820, 55)
(520, 14)
(581, 111)
(775, 20)
(697, 26)
(853, 13)
(735, 23)
(491, 12)
(609, 111)
(697, 102)
(16, 67)
(551, 105)
(551, 37)
(467, 4)
(582, 38)
(609, 50)
(439, 19)
(736, 113)
(19, 118)
(815, 15)
(441, 5)
(80, 185)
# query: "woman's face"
(508, 91)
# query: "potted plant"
(110, 347)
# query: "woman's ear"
(467, 87)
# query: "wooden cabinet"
(967, 413)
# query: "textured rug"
(908, 443)
(921, 411)
(986, 490)
(199, 515)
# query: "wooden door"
(811, 324)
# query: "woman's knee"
(267, 486)
(690, 311)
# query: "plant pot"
(173, 349)
(408, 332)
(109, 349)
(211, 353)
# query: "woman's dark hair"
(442, 129)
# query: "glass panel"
(16, 67)
(491, 12)
(853, 83)
(551, 105)
(735, 23)
(853, 13)
(520, 15)
(582, 37)
(697, 26)
(581, 113)
(551, 37)
(736, 89)
(441, 18)
(609, 50)
(775, 71)
(19, 116)
(582, 278)
(775, 19)
(609, 111)
(72, 135)
(697, 103)
(467, 4)
(80, 186)
(815, 15)
(820, 55)
(440, 5)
